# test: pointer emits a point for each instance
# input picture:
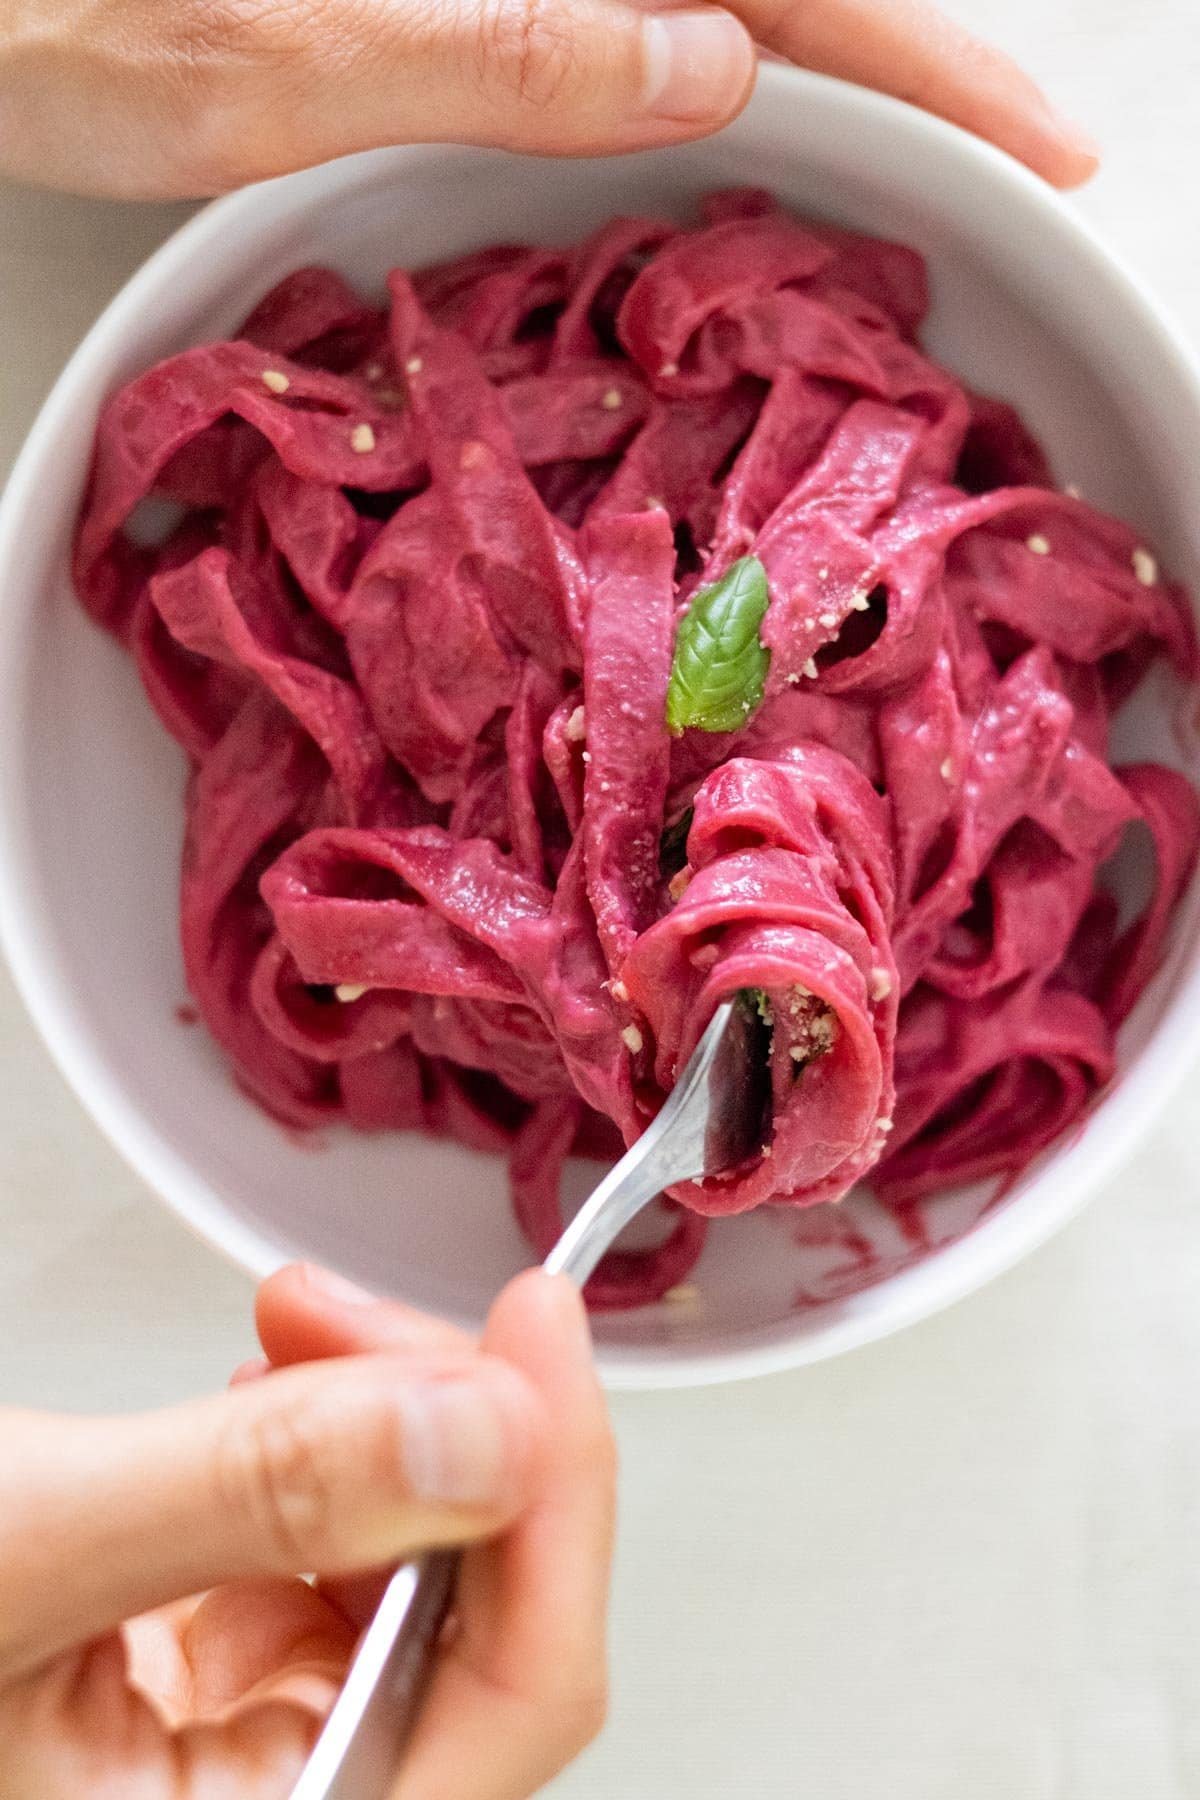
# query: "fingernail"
(464, 1441)
(254, 1370)
(564, 1303)
(1075, 136)
(334, 1287)
(698, 64)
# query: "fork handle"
(359, 1750)
(363, 1739)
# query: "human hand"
(189, 97)
(377, 1432)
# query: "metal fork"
(712, 1121)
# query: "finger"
(520, 1689)
(912, 50)
(207, 94)
(305, 1313)
(252, 1370)
(247, 1633)
(337, 1466)
(198, 1657)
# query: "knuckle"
(282, 1474)
(530, 48)
(241, 71)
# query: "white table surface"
(960, 1565)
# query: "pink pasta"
(447, 869)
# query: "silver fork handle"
(358, 1752)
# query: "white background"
(961, 1565)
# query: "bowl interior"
(90, 794)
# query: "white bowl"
(1027, 305)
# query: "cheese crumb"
(823, 572)
(884, 1125)
(619, 991)
(587, 756)
(413, 366)
(860, 602)
(947, 770)
(809, 668)
(611, 400)
(575, 729)
(276, 380)
(828, 620)
(669, 368)
(1145, 567)
(348, 991)
(632, 1039)
(1073, 491)
(362, 439)
(684, 1293)
(881, 984)
(1038, 544)
(654, 504)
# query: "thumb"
(204, 95)
(329, 1467)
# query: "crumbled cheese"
(684, 1293)
(809, 668)
(654, 504)
(1072, 491)
(1145, 567)
(413, 366)
(823, 573)
(611, 401)
(828, 620)
(947, 769)
(587, 756)
(669, 368)
(793, 680)
(881, 984)
(704, 957)
(632, 1039)
(884, 1125)
(1038, 544)
(860, 602)
(814, 1026)
(362, 439)
(348, 991)
(276, 380)
(766, 1151)
(620, 991)
(575, 729)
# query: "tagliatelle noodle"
(445, 867)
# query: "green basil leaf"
(720, 666)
